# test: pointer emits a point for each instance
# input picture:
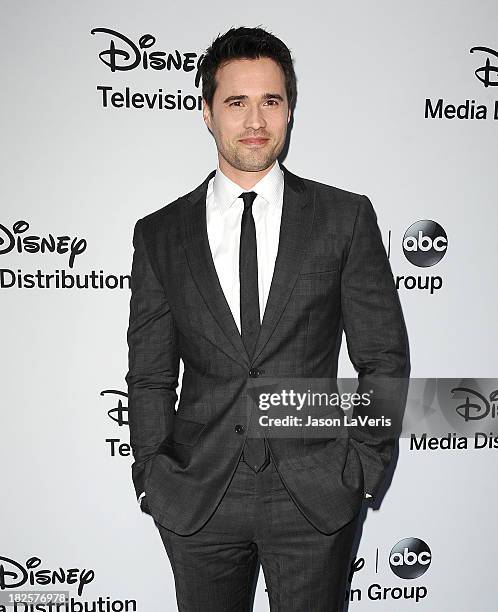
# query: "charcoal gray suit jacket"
(331, 273)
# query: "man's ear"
(206, 113)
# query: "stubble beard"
(250, 160)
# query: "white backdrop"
(75, 166)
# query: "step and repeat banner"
(101, 125)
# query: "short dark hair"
(246, 43)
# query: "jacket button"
(239, 429)
(254, 372)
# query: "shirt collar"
(270, 188)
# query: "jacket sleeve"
(153, 362)
(377, 343)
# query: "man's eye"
(271, 102)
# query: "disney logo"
(128, 55)
(476, 410)
(487, 69)
(14, 575)
(119, 413)
(12, 239)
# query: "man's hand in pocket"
(144, 505)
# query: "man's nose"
(254, 118)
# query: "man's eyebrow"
(265, 96)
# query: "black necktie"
(255, 453)
(248, 274)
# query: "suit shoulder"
(167, 211)
(163, 219)
(168, 216)
(336, 200)
(336, 193)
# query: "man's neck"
(245, 180)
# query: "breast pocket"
(317, 264)
(317, 277)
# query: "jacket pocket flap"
(187, 432)
(318, 265)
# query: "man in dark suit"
(255, 273)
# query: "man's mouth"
(254, 141)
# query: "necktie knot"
(248, 197)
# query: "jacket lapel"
(295, 230)
(293, 242)
(200, 260)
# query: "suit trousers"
(257, 522)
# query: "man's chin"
(253, 164)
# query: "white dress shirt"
(224, 208)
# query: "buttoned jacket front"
(331, 274)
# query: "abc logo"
(410, 558)
(425, 243)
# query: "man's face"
(249, 113)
